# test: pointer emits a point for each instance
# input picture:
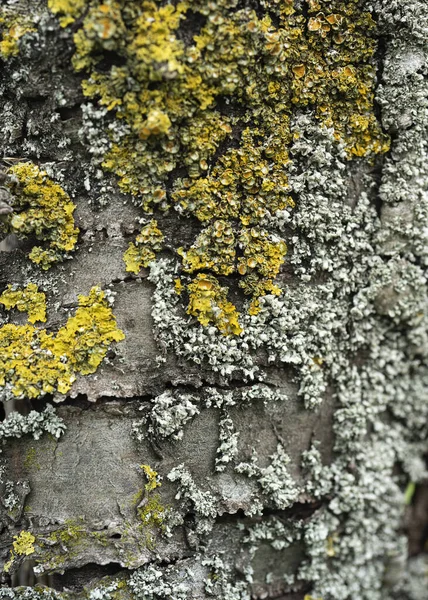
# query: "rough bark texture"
(236, 404)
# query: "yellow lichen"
(34, 362)
(12, 28)
(217, 108)
(214, 249)
(330, 545)
(152, 478)
(28, 300)
(42, 209)
(70, 9)
(150, 509)
(23, 545)
(147, 242)
(208, 303)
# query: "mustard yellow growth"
(34, 362)
(309, 597)
(208, 303)
(151, 510)
(12, 28)
(147, 242)
(152, 478)
(217, 105)
(330, 549)
(43, 209)
(23, 545)
(214, 249)
(71, 8)
(28, 300)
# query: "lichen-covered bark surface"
(213, 301)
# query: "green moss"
(34, 362)
(70, 532)
(218, 108)
(30, 460)
(150, 510)
(61, 545)
(41, 209)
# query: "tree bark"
(224, 208)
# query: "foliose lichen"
(142, 252)
(35, 423)
(13, 26)
(35, 362)
(28, 300)
(219, 108)
(23, 545)
(41, 208)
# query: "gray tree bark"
(190, 430)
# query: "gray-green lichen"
(35, 424)
(274, 480)
(351, 323)
(30, 593)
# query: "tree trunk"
(213, 309)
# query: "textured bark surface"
(277, 449)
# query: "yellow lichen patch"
(43, 209)
(12, 28)
(216, 108)
(86, 336)
(214, 249)
(70, 9)
(178, 286)
(23, 545)
(150, 509)
(208, 303)
(330, 545)
(262, 260)
(152, 478)
(147, 242)
(28, 300)
(247, 184)
(34, 362)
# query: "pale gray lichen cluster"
(352, 323)
(155, 582)
(169, 414)
(35, 423)
(15, 426)
(357, 322)
(275, 479)
(29, 593)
